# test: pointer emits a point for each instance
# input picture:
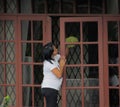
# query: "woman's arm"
(59, 72)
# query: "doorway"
(83, 86)
(93, 67)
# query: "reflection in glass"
(112, 31)
(82, 6)
(9, 30)
(38, 99)
(67, 6)
(2, 30)
(38, 74)
(90, 54)
(27, 96)
(2, 50)
(91, 97)
(2, 88)
(38, 6)
(10, 51)
(27, 74)
(112, 7)
(10, 74)
(89, 6)
(2, 69)
(53, 6)
(11, 91)
(73, 76)
(26, 30)
(74, 98)
(72, 29)
(91, 76)
(37, 30)
(96, 6)
(113, 53)
(37, 52)
(90, 31)
(26, 52)
(114, 97)
(113, 76)
(73, 56)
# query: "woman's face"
(55, 51)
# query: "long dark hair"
(48, 51)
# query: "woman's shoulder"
(47, 63)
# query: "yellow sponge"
(71, 39)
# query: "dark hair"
(48, 51)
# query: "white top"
(50, 80)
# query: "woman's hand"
(59, 72)
(62, 61)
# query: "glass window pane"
(2, 32)
(37, 30)
(2, 51)
(11, 91)
(82, 6)
(73, 76)
(114, 98)
(53, 6)
(67, 6)
(2, 69)
(96, 6)
(91, 98)
(113, 76)
(112, 31)
(9, 30)
(37, 52)
(27, 96)
(74, 53)
(11, 6)
(26, 52)
(1, 6)
(27, 74)
(10, 73)
(113, 53)
(10, 52)
(91, 76)
(72, 29)
(38, 100)
(73, 98)
(90, 54)
(38, 74)
(90, 31)
(112, 6)
(39, 6)
(26, 30)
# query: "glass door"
(83, 76)
(8, 59)
(112, 61)
(34, 31)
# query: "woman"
(53, 65)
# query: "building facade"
(92, 71)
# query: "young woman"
(53, 65)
